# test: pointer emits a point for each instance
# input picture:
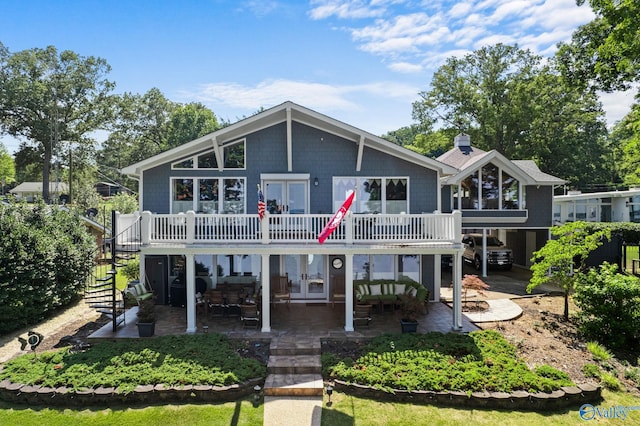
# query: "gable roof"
(287, 112)
(36, 187)
(467, 159)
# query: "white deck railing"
(190, 228)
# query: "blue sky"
(361, 62)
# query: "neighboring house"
(199, 211)
(106, 189)
(609, 206)
(32, 191)
(511, 199)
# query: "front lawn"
(173, 360)
(481, 360)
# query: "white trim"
(360, 151)
(289, 141)
(499, 219)
(285, 176)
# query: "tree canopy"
(47, 97)
(509, 100)
(605, 53)
(7, 167)
(561, 258)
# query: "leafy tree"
(48, 96)
(605, 53)
(609, 305)
(561, 259)
(7, 167)
(506, 99)
(480, 94)
(625, 138)
(189, 122)
(46, 256)
(28, 163)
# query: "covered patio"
(317, 320)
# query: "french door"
(307, 275)
(287, 196)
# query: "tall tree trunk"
(46, 168)
(566, 306)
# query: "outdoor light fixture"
(315, 181)
(329, 392)
(256, 395)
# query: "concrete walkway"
(499, 310)
(292, 411)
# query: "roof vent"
(462, 140)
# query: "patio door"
(287, 196)
(307, 275)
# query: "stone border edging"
(18, 393)
(569, 396)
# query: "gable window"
(373, 194)
(208, 195)
(488, 188)
(233, 158)
(234, 155)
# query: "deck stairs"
(119, 248)
(294, 367)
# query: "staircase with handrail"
(119, 248)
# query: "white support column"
(191, 293)
(437, 277)
(145, 227)
(456, 273)
(266, 293)
(289, 142)
(348, 288)
(142, 270)
(484, 252)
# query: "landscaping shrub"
(46, 256)
(609, 305)
(173, 360)
(591, 370)
(482, 360)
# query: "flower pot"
(146, 329)
(409, 326)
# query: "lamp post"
(329, 390)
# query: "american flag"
(261, 205)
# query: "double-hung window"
(208, 195)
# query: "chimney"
(462, 140)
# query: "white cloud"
(405, 67)
(617, 104)
(353, 9)
(460, 9)
(316, 95)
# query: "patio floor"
(308, 320)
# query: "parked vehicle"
(497, 254)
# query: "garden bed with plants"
(194, 368)
(436, 367)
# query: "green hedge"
(46, 256)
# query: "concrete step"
(295, 345)
(294, 364)
(293, 385)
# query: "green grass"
(241, 413)
(172, 360)
(599, 352)
(482, 360)
(348, 411)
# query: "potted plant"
(412, 309)
(147, 317)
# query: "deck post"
(348, 288)
(456, 273)
(266, 294)
(191, 293)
